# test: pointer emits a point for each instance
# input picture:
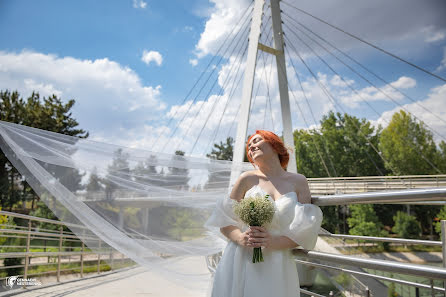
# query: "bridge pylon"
(248, 83)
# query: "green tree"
(145, 172)
(364, 221)
(11, 241)
(222, 151)
(406, 226)
(408, 146)
(343, 146)
(3, 221)
(94, 184)
(442, 156)
(119, 168)
(440, 216)
(48, 113)
(178, 175)
(43, 211)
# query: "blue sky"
(129, 64)
(113, 29)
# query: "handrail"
(384, 278)
(28, 217)
(385, 265)
(42, 254)
(312, 294)
(384, 239)
(386, 197)
(376, 177)
(42, 233)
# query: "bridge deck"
(135, 281)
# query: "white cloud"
(45, 90)
(193, 62)
(152, 56)
(443, 62)
(139, 4)
(434, 103)
(369, 94)
(222, 19)
(431, 35)
(111, 101)
(399, 25)
(404, 82)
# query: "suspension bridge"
(268, 48)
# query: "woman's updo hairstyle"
(276, 143)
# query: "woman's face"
(259, 149)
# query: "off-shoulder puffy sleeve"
(223, 215)
(305, 225)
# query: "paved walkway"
(125, 283)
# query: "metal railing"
(311, 258)
(383, 239)
(84, 258)
(305, 257)
(390, 197)
(351, 185)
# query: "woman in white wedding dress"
(296, 222)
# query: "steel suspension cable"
(356, 92)
(231, 95)
(224, 85)
(359, 64)
(314, 120)
(368, 43)
(263, 28)
(268, 79)
(368, 81)
(259, 56)
(209, 76)
(205, 71)
(308, 127)
(333, 100)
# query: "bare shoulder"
(301, 179)
(302, 187)
(244, 182)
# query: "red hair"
(276, 143)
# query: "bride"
(296, 222)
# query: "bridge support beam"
(278, 51)
(283, 84)
(248, 82)
(145, 220)
(443, 240)
(121, 217)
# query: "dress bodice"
(284, 208)
(236, 275)
(300, 222)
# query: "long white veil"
(152, 207)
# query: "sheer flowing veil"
(150, 206)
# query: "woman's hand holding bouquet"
(255, 211)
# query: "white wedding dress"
(237, 276)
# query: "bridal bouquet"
(255, 211)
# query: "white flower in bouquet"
(255, 210)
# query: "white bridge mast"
(278, 51)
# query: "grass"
(378, 248)
(400, 248)
(89, 266)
